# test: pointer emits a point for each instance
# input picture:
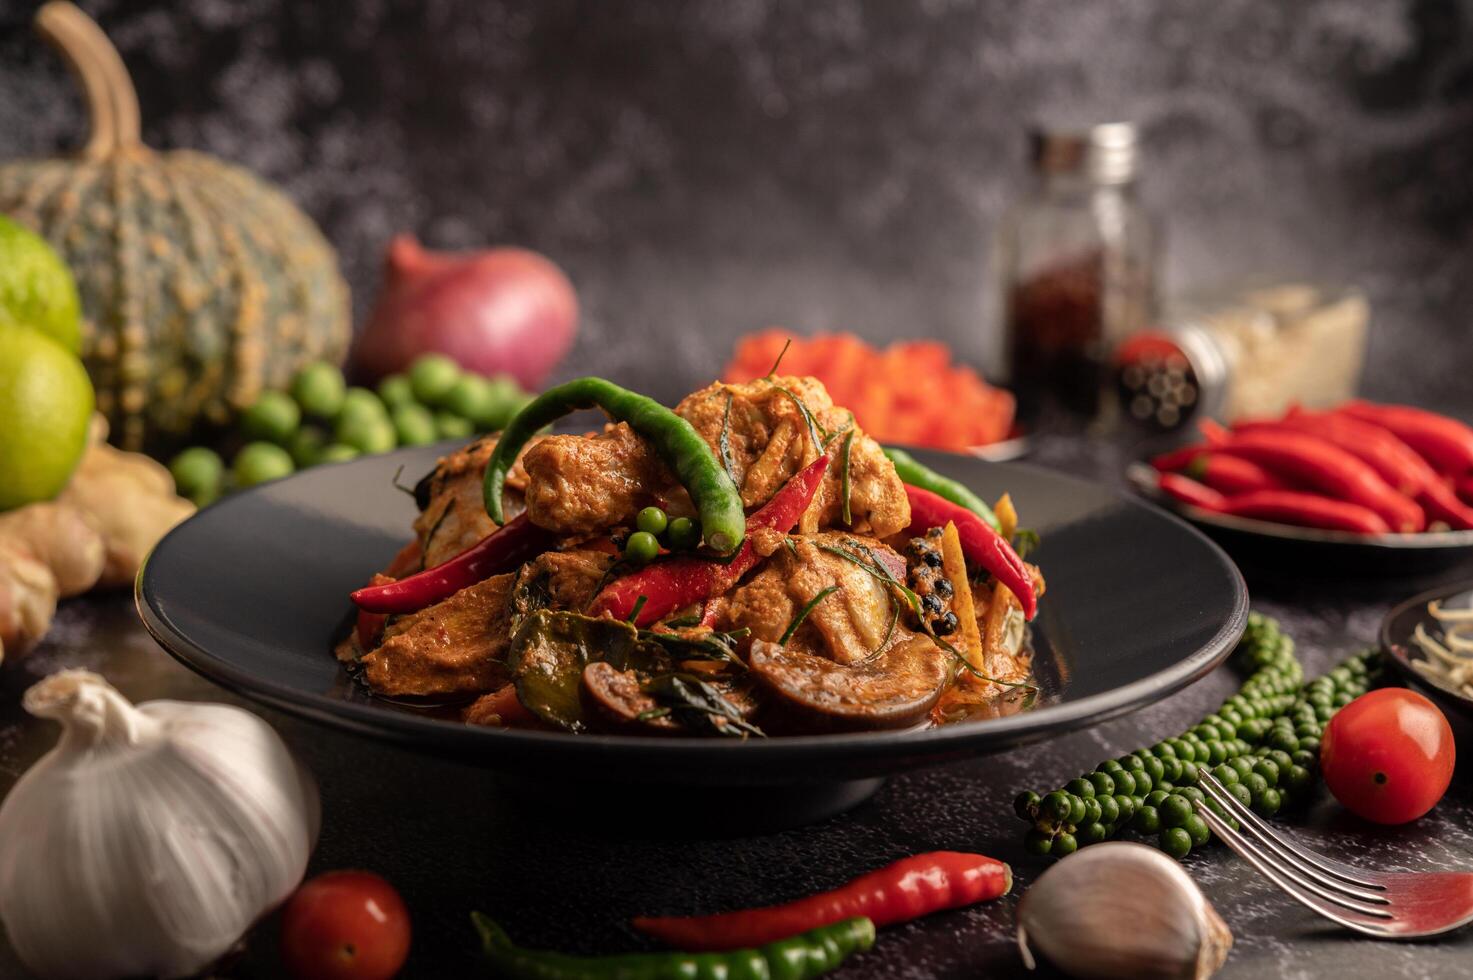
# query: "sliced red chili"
(908, 889)
(980, 544)
(670, 585)
(504, 549)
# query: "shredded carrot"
(910, 393)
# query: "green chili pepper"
(808, 954)
(917, 474)
(676, 442)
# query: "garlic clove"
(1122, 910)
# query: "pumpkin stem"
(112, 103)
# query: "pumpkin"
(201, 285)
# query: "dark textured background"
(706, 168)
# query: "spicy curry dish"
(750, 563)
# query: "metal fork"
(1388, 904)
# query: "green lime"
(432, 376)
(273, 418)
(258, 462)
(395, 390)
(45, 408)
(414, 424)
(197, 472)
(36, 287)
(319, 388)
(367, 435)
(336, 452)
(453, 426)
(306, 446)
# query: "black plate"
(252, 592)
(1295, 551)
(1401, 649)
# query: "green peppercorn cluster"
(322, 420)
(1262, 744)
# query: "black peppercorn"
(944, 588)
(944, 625)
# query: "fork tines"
(1336, 891)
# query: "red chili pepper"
(1179, 459)
(370, 626)
(1463, 485)
(670, 585)
(1306, 510)
(1327, 469)
(980, 543)
(1214, 433)
(1392, 459)
(1445, 443)
(1442, 504)
(1231, 475)
(908, 889)
(1189, 491)
(505, 548)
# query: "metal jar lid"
(1106, 153)
(1165, 380)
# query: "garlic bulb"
(1122, 910)
(151, 837)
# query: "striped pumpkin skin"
(201, 285)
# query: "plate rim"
(491, 746)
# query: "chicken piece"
(559, 580)
(768, 440)
(457, 646)
(454, 516)
(847, 626)
(581, 484)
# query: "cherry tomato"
(1388, 755)
(345, 925)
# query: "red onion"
(499, 310)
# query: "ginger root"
(96, 533)
(28, 594)
(59, 536)
(129, 499)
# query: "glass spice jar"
(1075, 270)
